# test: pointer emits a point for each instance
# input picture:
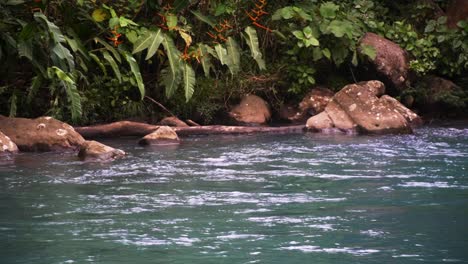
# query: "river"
(244, 199)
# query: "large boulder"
(93, 151)
(164, 135)
(391, 61)
(440, 96)
(173, 121)
(6, 145)
(41, 134)
(252, 110)
(362, 108)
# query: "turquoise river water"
(244, 199)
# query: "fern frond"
(189, 81)
(233, 55)
(252, 41)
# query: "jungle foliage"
(88, 61)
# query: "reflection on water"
(245, 199)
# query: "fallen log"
(130, 128)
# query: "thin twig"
(160, 105)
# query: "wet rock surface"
(164, 135)
(363, 108)
(93, 151)
(41, 134)
(252, 110)
(391, 61)
(6, 145)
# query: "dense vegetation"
(89, 61)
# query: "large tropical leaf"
(205, 59)
(136, 72)
(252, 41)
(221, 54)
(234, 55)
(63, 53)
(189, 81)
(113, 65)
(203, 18)
(98, 62)
(172, 76)
(53, 29)
(151, 40)
(109, 48)
(72, 92)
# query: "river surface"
(244, 199)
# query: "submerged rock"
(362, 108)
(252, 110)
(41, 134)
(6, 145)
(173, 121)
(164, 135)
(391, 61)
(94, 151)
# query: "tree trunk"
(129, 128)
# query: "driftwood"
(129, 128)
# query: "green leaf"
(203, 18)
(171, 76)
(25, 49)
(72, 92)
(35, 85)
(189, 81)
(64, 54)
(339, 28)
(328, 10)
(171, 21)
(326, 52)
(368, 50)
(298, 34)
(221, 53)
(354, 60)
(98, 62)
(136, 72)
(113, 65)
(252, 41)
(99, 15)
(234, 55)
(109, 48)
(179, 5)
(13, 104)
(124, 22)
(15, 2)
(151, 41)
(205, 58)
(53, 29)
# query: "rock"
(312, 104)
(287, 112)
(440, 97)
(173, 121)
(41, 134)
(391, 61)
(252, 110)
(164, 135)
(456, 11)
(94, 151)
(316, 100)
(6, 145)
(362, 108)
